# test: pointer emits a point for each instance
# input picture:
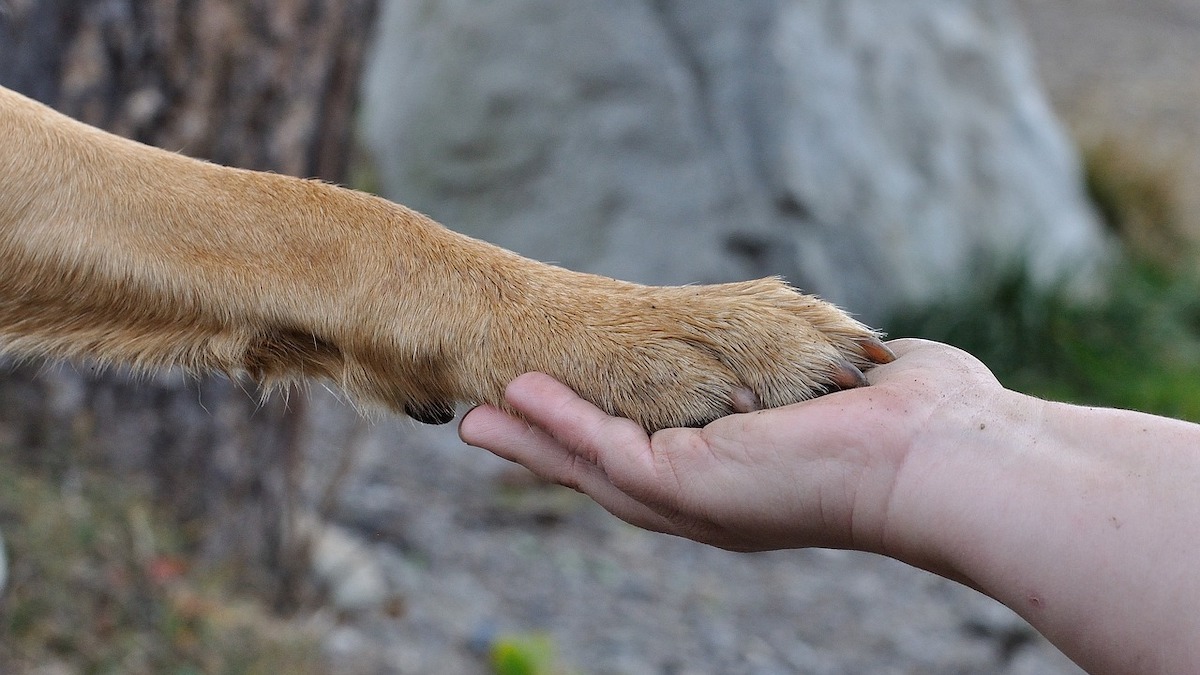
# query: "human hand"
(818, 473)
(1075, 517)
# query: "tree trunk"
(260, 84)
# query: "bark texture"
(263, 84)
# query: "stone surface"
(345, 567)
(874, 152)
(451, 532)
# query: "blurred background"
(1010, 177)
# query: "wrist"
(1064, 515)
(965, 478)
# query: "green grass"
(525, 654)
(99, 583)
(1139, 348)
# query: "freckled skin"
(1081, 520)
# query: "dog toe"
(431, 412)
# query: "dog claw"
(744, 400)
(847, 376)
(431, 413)
(876, 351)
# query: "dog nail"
(847, 376)
(876, 351)
(744, 400)
(430, 413)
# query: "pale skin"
(1085, 521)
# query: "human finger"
(937, 362)
(518, 441)
(582, 428)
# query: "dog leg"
(120, 252)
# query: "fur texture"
(121, 252)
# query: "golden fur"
(121, 252)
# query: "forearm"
(1082, 520)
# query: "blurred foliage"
(1136, 201)
(1138, 347)
(524, 654)
(99, 584)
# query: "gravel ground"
(470, 548)
(463, 548)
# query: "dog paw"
(684, 356)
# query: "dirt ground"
(470, 552)
(1128, 72)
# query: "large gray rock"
(874, 151)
